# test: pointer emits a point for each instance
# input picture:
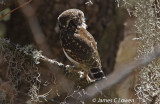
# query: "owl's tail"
(95, 74)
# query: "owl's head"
(72, 18)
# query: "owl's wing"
(83, 48)
(88, 38)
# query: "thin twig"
(22, 5)
(59, 64)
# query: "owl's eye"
(72, 23)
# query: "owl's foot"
(70, 68)
(76, 69)
(89, 80)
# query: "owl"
(78, 44)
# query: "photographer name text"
(115, 100)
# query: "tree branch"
(120, 73)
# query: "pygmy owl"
(79, 45)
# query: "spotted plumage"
(78, 44)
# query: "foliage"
(147, 23)
(21, 69)
(148, 30)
